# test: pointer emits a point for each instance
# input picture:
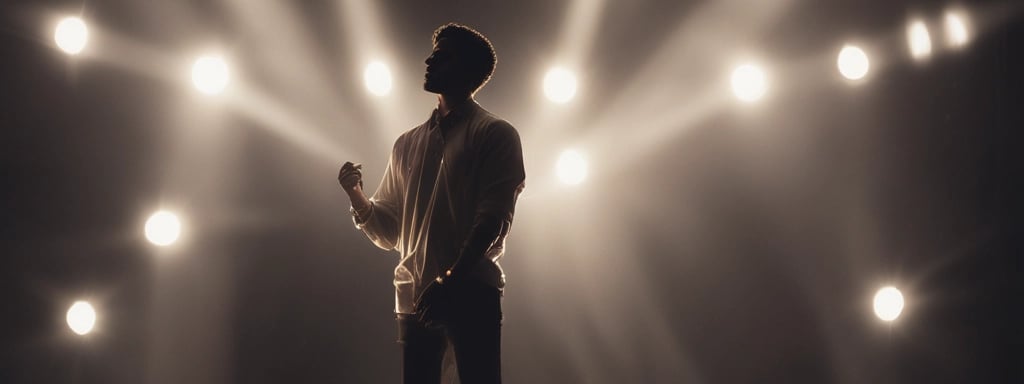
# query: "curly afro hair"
(476, 48)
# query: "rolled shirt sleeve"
(381, 224)
(502, 175)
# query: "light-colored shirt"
(441, 175)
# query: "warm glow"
(571, 168)
(748, 83)
(853, 62)
(956, 29)
(888, 303)
(919, 39)
(210, 74)
(71, 35)
(559, 85)
(81, 317)
(377, 78)
(163, 228)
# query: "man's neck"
(448, 103)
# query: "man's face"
(444, 71)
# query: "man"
(446, 204)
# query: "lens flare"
(853, 62)
(210, 75)
(163, 228)
(71, 35)
(81, 317)
(377, 78)
(560, 85)
(748, 83)
(888, 303)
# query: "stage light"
(377, 78)
(559, 85)
(919, 39)
(888, 303)
(572, 167)
(163, 228)
(956, 29)
(210, 74)
(81, 317)
(748, 83)
(71, 35)
(853, 62)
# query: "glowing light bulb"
(377, 78)
(210, 75)
(81, 317)
(71, 35)
(571, 167)
(888, 303)
(853, 62)
(163, 228)
(749, 83)
(560, 85)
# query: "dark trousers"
(473, 331)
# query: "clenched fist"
(351, 176)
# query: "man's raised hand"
(351, 176)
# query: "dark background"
(746, 250)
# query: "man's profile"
(446, 204)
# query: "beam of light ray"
(888, 303)
(377, 78)
(135, 57)
(577, 36)
(559, 85)
(162, 228)
(919, 41)
(301, 73)
(571, 167)
(680, 75)
(956, 29)
(853, 62)
(366, 37)
(278, 120)
(71, 35)
(748, 82)
(81, 317)
(210, 74)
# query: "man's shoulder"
(486, 121)
(405, 136)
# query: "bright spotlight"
(377, 78)
(853, 62)
(956, 29)
(888, 303)
(71, 35)
(163, 228)
(210, 74)
(748, 83)
(81, 317)
(571, 167)
(919, 39)
(559, 85)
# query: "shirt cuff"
(360, 220)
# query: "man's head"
(462, 61)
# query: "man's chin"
(432, 88)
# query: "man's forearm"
(359, 202)
(486, 229)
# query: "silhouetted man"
(446, 204)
